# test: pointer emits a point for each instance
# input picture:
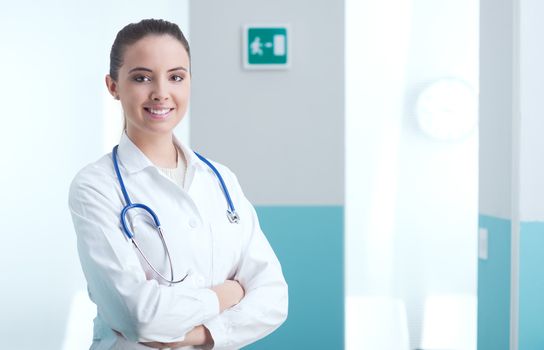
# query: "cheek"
(182, 99)
(185, 93)
(135, 98)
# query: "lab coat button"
(192, 223)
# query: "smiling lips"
(158, 113)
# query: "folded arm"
(142, 310)
(265, 304)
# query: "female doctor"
(171, 248)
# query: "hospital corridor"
(289, 174)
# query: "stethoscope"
(232, 215)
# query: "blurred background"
(411, 173)
(383, 161)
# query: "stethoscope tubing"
(220, 178)
(171, 280)
(231, 214)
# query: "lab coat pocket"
(227, 249)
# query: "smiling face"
(153, 85)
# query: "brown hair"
(136, 31)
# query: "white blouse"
(177, 174)
(133, 301)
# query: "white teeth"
(159, 111)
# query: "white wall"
(532, 122)
(55, 55)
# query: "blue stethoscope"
(232, 215)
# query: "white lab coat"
(130, 299)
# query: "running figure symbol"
(256, 46)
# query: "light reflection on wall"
(79, 329)
(411, 200)
(112, 121)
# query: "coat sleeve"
(140, 309)
(265, 304)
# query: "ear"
(112, 86)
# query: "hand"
(229, 294)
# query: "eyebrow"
(150, 71)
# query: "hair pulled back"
(133, 32)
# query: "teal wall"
(309, 242)
(531, 286)
(494, 286)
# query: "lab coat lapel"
(130, 156)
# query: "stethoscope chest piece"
(233, 217)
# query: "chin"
(162, 128)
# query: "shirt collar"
(134, 160)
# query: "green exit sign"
(266, 47)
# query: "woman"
(208, 278)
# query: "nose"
(159, 92)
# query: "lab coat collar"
(134, 160)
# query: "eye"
(141, 79)
(177, 78)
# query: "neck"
(160, 149)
